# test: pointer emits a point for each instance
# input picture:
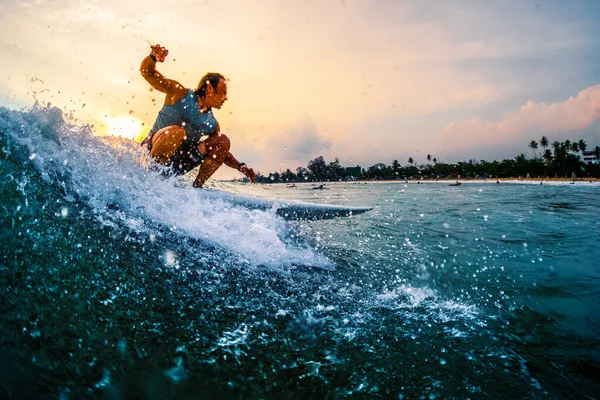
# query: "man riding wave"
(186, 134)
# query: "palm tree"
(597, 150)
(556, 146)
(548, 156)
(395, 166)
(410, 160)
(544, 142)
(566, 145)
(429, 157)
(559, 152)
(435, 160)
(575, 148)
(533, 145)
(582, 145)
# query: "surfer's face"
(216, 97)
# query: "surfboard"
(287, 209)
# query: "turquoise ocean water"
(116, 284)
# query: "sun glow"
(126, 127)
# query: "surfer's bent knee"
(165, 142)
(218, 143)
(224, 143)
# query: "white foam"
(112, 175)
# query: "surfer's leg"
(214, 149)
(165, 142)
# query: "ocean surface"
(118, 284)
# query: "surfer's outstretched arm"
(173, 89)
(213, 161)
(232, 162)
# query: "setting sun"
(126, 127)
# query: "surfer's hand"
(159, 52)
(249, 172)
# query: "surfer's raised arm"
(173, 89)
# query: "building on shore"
(590, 156)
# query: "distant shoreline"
(496, 179)
(489, 180)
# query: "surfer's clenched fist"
(159, 52)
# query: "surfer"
(186, 134)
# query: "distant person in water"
(186, 134)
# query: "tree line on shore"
(556, 159)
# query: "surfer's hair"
(211, 77)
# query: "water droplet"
(122, 345)
(170, 258)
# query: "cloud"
(301, 141)
(559, 119)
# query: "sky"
(366, 81)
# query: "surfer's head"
(212, 89)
